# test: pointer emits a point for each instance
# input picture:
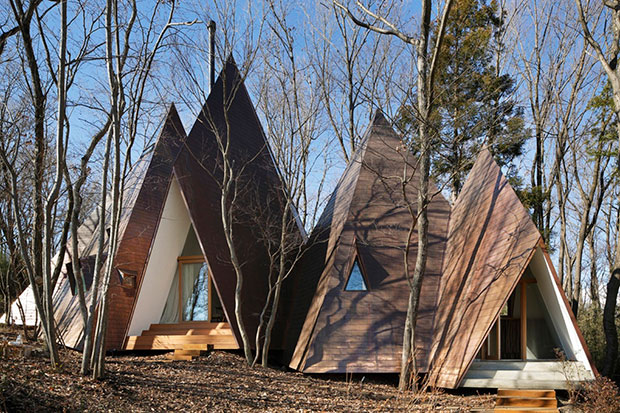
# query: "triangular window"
(356, 280)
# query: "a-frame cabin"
(187, 294)
(353, 317)
(502, 313)
(491, 311)
(173, 284)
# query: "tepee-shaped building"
(173, 285)
(491, 311)
(355, 266)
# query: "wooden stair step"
(526, 393)
(189, 335)
(163, 342)
(179, 357)
(524, 400)
(190, 332)
(202, 347)
(508, 401)
(189, 325)
(186, 352)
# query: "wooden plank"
(190, 332)
(516, 401)
(523, 321)
(526, 393)
(160, 342)
(190, 324)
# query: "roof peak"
(379, 119)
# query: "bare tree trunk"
(76, 190)
(613, 74)
(60, 168)
(37, 268)
(426, 62)
(594, 284)
(278, 285)
(94, 295)
(609, 312)
(609, 322)
(227, 188)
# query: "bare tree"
(426, 63)
(354, 70)
(126, 97)
(228, 171)
(291, 108)
(591, 195)
(39, 264)
(607, 48)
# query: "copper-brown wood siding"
(259, 198)
(362, 331)
(490, 243)
(144, 196)
(139, 229)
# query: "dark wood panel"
(374, 227)
(229, 115)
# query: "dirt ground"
(218, 381)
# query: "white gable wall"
(26, 300)
(557, 310)
(167, 246)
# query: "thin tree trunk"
(426, 62)
(278, 287)
(228, 231)
(94, 295)
(609, 324)
(36, 266)
(594, 284)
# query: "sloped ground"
(219, 381)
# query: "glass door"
(192, 296)
(194, 291)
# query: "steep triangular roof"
(138, 230)
(366, 217)
(228, 116)
(490, 243)
(145, 191)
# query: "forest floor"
(218, 381)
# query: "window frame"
(195, 259)
(356, 257)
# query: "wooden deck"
(184, 336)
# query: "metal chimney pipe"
(211, 28)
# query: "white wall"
(162, 263)
(557, 310)
(30, 310)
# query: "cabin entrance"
(192, 295)
(523, 330)
(197, 299)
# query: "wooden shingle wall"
(490, 242)
(229, 117)
(140, 227)
(362, 331)
(148, 175)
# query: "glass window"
(195, 295)
(356, 279)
